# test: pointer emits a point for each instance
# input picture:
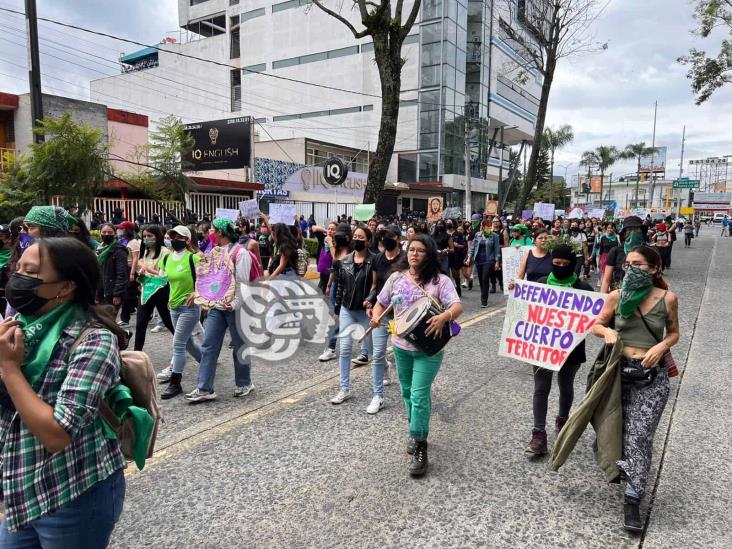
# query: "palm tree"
(589, 159)
(556, 139)
(637, 150)
(606, 156)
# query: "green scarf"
(637, 284)
(611, 237)
(552, 280)
(119, 399)
(104, 251)
(5, 254)
(41, 335)
(632, 240)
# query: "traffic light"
(691, 197)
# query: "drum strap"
(429, 296)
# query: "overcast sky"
(607, 98)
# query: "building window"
(233, 2)
(255, 68)
(407, 169)
(196, 2)
(289, 5)
(313, 57)
(313, 114)
(246, 16)
(315, 156)
(235, 90)
(235, 40)
(210, 26)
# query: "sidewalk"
(693, 499)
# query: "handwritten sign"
(452, 213)
(511, 262)
(544, 324)
(364, 212)
(598, 213)
(227, 214)
(527, 214)
(281, 213)
(544, 210)
(435, 208)
(249, 208)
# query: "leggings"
(542, 387)
(485, 274)
(129, 301)
(159, 301)
(455, 272)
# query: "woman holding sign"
(563, 274)
(538, 262)
(418, 276)
(646, 321)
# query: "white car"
(718, 217)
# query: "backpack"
(302, 261)
(138, 375)
(256, 270)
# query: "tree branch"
(411, 19)
(346, 22)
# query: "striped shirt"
(36, 482)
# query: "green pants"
(417, 371)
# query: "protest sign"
(544, 324)
(249, 208)
(364, 212)
(281, 213)
(576, 213)
(226, 213)
(511, 261)
(598, 213)
(434, 211)
(527, 214)
(544, 210)
(491, 208)
(451, 213)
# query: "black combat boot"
(419, 463)
(174, 388)
(411, 446)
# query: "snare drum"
(412, 323)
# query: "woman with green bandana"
(563, 274)
(520, 236)
(62, 477)
(46, 221)
(632, 234)
(646, 321)
(112, 257)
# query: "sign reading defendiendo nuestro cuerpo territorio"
(221, 144)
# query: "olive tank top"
(633, 332)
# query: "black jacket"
(115, 274)
(346, 276)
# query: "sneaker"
(174, 388)
(158, 329)
(483, 305)
(123, 324)
(377, 403)
(200, 395)
(419, 464)
(537, 445)
(243, 391)
(360, 360)
(164, 376)
(328, 354)
(464, 284)
(342, 396)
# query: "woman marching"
(486, 256)
(62, 478)
(645, 316)
(457, 258)
(112, 257)
(418, 274)
(537, 263)
(563, 274)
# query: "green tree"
(590, 161)
(384, 25)
(71, 162)
(707, 74)
(543, 168)
(637, 151)
(554, 192)
(15, 199)
(556, 139)
(606, 157)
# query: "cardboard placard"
(281, 213)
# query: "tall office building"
(460, 65)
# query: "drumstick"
(371, 328)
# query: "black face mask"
(20, 291)
(574, 229)
(563, 272)
(107, 239)
(359, 245)
(341, 240)
(178, 245)
(390, 244)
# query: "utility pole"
(468, 190)
(501, 191)
(34, 72)
(681, 165)
(653, 152)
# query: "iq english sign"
(221, 144)
(544, 324)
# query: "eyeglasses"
(418, 251)
(635, 264)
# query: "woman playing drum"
(415, 278)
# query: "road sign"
(335, 171)
(686, 184)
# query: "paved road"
(283, 467)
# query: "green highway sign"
(686, 184)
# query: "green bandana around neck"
(634, 239)
(41, 336)
(637, 284)
(104, 251)
(5, 254)
(552, 280)
(611, 237)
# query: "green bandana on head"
(41, 335)
(637, 284)
(51, 217)
(226, 226)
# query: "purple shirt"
(402, 284)
(325, 260)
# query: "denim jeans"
(86, 521)
(216, 325)
(185, 319)
(417, 371)
(346, 319)
(332, 343)
(379, 339)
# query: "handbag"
(631, 372)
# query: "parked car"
(718, 217)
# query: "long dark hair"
(75, 262)
(84, 234)
(157, 232)
(653, 258)
(345, 229)
(286, 243)
(431, 267)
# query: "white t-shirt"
(579, 239)
(132, 246)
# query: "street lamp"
(566, 167)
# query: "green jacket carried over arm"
(602, 407)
